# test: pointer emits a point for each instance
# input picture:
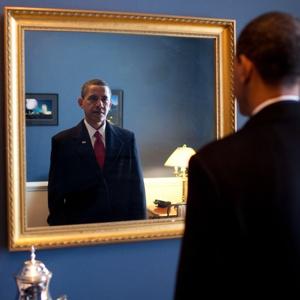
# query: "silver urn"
(33, 280)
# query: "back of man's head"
(272, 42)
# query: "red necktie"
(99, 149)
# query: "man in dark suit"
(88, 185)
(242, 234)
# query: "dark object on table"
(161, 203)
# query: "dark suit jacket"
(79, 191)
(242, 235)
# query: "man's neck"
(267, 93)
(96, 126)
(274, 100)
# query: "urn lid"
(34, 271)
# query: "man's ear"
(245, 68)
(80, 101)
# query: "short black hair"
(99, 82)
(272, 42)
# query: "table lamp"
(179, 159)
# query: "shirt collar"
(91, 130)
(274, 100)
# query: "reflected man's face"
(96, 104)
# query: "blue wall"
(141, 270)
(158, 76)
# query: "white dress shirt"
(92, 130)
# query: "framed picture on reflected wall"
(115, 115)
(41, 109)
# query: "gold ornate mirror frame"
(17, 21)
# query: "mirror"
(154, 94)
(186, 61)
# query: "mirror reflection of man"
(95, 178)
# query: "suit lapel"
(114, 145)
(84, 146)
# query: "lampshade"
(180, 157)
